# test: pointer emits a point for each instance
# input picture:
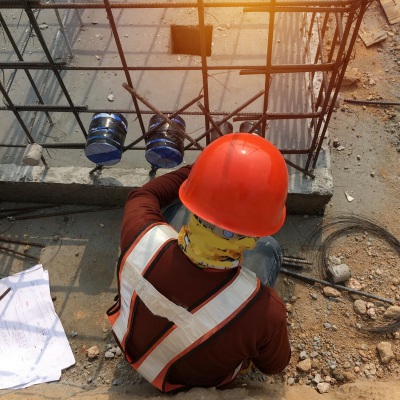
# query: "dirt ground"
(331, 350)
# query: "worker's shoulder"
(267, 310)
(269, 295)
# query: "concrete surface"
(110, 186)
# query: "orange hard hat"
(239, 182)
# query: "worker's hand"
(246, 367)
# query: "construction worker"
(187, 313)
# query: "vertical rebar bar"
(342, 60)
(11, 105)
(204, 69)
(123, 61)
(20, 57)
(267, 86)
(39, 35)
(64, 33)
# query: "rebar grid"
(323, 72)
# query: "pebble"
(323, 387)
(289, 308)
(393, 312)
(371, 313)
(349, 377)
(385, 352)
(339, 377)
(317, 378)
(303, 355)
(109, 354)
(92, 352)
(346, 365)
(360, 307)
(291, 381)
(304, 365)
(331, 292)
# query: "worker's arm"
(143, 206)
(274, 352)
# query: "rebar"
(338, 287)
(181, 110)
(15, 241)
(19, 253)
(61, 213)
(281, 6)
(348, 12)
(230, 115)
(373, 102)
(160, 114)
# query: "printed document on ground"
(33, 345)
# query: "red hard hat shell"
(239, 182)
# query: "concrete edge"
(110, 186)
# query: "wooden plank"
(392, 10)
(370, 31)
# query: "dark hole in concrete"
(186, 39)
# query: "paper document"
(33, 344)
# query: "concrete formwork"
(278, 64)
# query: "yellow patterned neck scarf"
(208, 246)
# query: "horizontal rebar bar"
(292, 265)
(44, 107)
(79, 146)
(278, 6)
(61, 213)
(8, 240)
(244, 70)
(19, 253)
(85, 109)
(296, 260)
(338, 287)
(374, 102)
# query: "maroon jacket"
(259, 333)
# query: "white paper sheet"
(33, 345)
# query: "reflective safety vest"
(190, 328)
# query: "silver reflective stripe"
(210, 316)
(140, 256)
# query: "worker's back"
(255, 333)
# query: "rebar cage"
(278, 64)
